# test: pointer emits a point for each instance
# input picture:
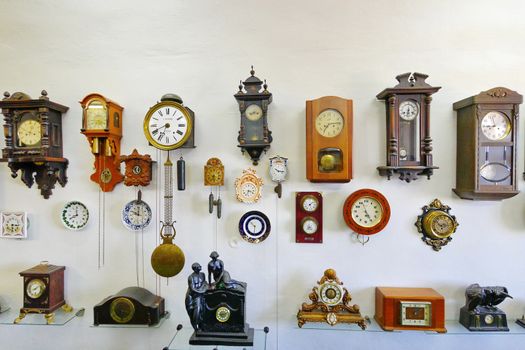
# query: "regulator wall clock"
(278, 172)
(43, 291)
(308, 217)
(329, 124)
(75, 215)
(254, 227)
(408, 144)
(13, 224)
(102, 125)
(254, 135)
(436, 224)
(214, 177)
(366, 212)
(487, 136)
(33, 140)
(330, 303)
(248, 187)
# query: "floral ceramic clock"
(248, 187)
(13, 224)
(75, 215)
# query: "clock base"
(223, 338)
(484, 195)
(484, 319)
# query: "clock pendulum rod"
(101, 222)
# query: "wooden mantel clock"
(33, 140)
(102, 125)
(409, 145)
(254, 135)
(487, 125)
(329, 122)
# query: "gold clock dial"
(367, 211)
(96, 116)
(29, 132)
(495, 126)
(222, 314)
(329, 123)
(214, 176)
(122, 310)
(35, 288)
(253, 112)
(442, 225)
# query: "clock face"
(14, 225)
(137, 169)
(254, 226)
(136, 215)
(29, 133)
(416, 313)
(35, 288)
(495, 126)
(249, 190)
(310, 203)
(329, 123)
(122, 310)
(214, 176)
(408, 110)
(330, 293)
(253, 112)
(167, 125)
(248, 187)
(222, 314)
(443, 225)
(278, 169)
(309, 225)
(366, 212)
(96, 116)
(75, 215)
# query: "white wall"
(135, 51)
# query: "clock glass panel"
(96, 116)
(495, 165)
(167, 126)
(329, 123)
(409, 141)
(253, 112)
(495, 126)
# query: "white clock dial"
(75, 215)
(408, 110)
(13, 225)
(367, 211)
(136, 215)
(309, 226)
(495, 126)
(329, 123)
(278, 171)
(248, 190)
(331, 293)
(167, 126)
(35, 288)
(310, 203)
(253, 112)
(254, 226)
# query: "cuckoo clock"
(254, 135)
(409, 145)
(138, 169)
(487, 134)
(33, 140)
(102, 125)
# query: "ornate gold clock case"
(436, 224)
(214, 177)
(248, 187)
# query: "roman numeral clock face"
(167, 125)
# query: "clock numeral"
(167, 111)
(182, 125)
(153, 125)
(161, 135)
(167, 139)
(160, 112)
(179, 118)
(155, 132)
(179, 132)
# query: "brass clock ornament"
(33, 140)
(278, 172)
(487, 136)
(248, 187)
(409, 145)
(102, 125)
(214, 177)
(436, 224)
(330, 303)
(254, 135)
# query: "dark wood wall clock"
(308, 217)
(409, 145)
(254, 136)
(329, 124)
(487, 133)
(102, 125)
(33, 140)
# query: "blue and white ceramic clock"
(136, 215)
(254, 226)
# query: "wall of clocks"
(134, 53)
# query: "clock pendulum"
(214, 176)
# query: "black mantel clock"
(33, 140)
(254, 135)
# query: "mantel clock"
(487, 135)
(254, 135)
(102, 125)
(409, 145)
(33, 140)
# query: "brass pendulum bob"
(167, 259)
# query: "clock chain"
(157, 228)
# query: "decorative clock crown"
(252, 86)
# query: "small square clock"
(13, 224)
(416, 313)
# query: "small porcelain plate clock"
(75, 215)
(136, 215)
(278, 172)
(248, 187)
(13, 224)
(254, 227)
(366, 212)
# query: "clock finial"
(6, 94)
(240, 86)
(412, 79)
(44, 95)
(265, 86)
(252, 72)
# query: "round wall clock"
(436, 224)
(254, 227)
(366, 212)
(136, 215)
(248, 187)
(75, 215)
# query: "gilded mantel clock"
(254, 135)
(33, 140)
(329, 126)
(102, 125)
(487, 132)
(409, 145)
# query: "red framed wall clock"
(308, 217)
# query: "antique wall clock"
(254, 227)
(102, 125)
(408, 144)
(248, 187)
(487, 136)
(214, 177)
(330, 303)
(13, 224)
(436, 224)
(138, 169)
(75, 215)
(329, 124)
(278, 172)
(366, 212)
(308, 217)
(33, 140)
(254, 135)
(43, 291)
